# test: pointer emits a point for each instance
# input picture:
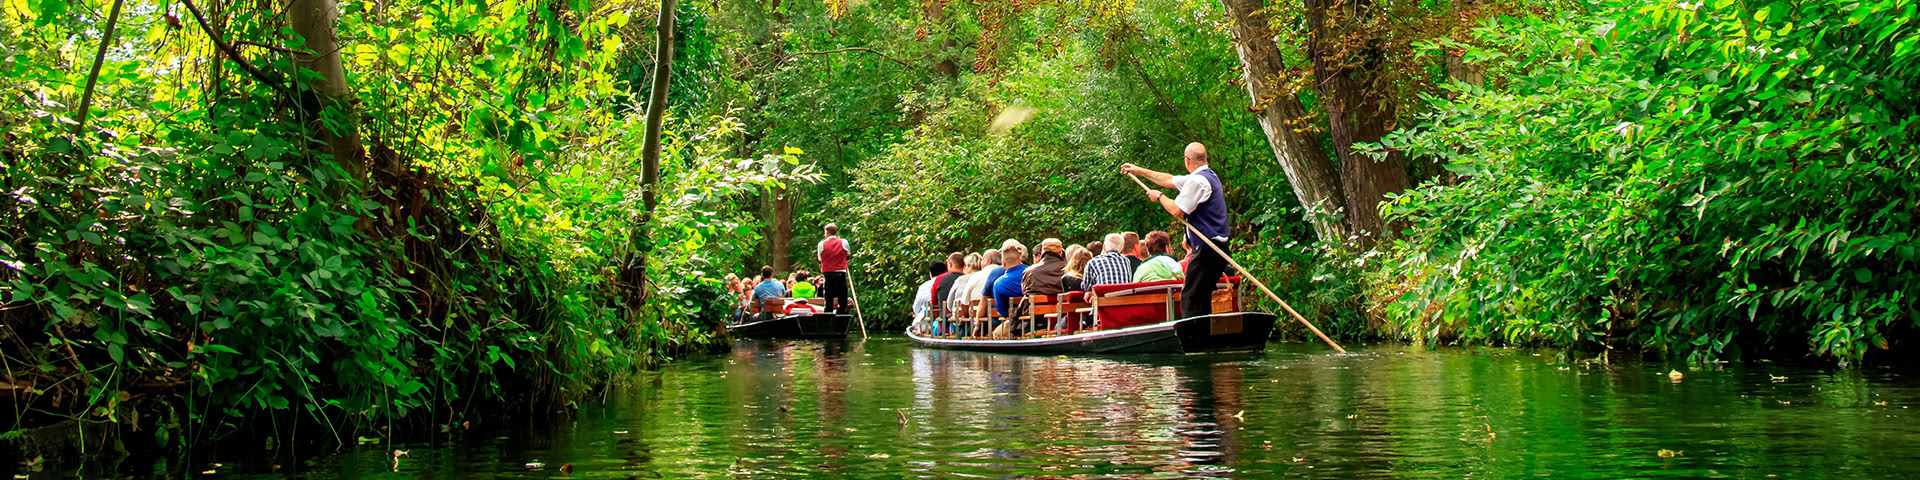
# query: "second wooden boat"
(767, 321)
(806, 325)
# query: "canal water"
(885, 409)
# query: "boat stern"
(1225, 332)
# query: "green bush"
(189, 252)
(1696, 178)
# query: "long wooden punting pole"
(1243, 272)
(856, 305)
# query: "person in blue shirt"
(768, 287)
(1006, 289)
(994, 270)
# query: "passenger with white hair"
(981, 288)
(1110, 267)
(993, 272)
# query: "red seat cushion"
(1134, 315)
(1131, 288)
(1122, 316)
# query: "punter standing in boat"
(1202, 203)
(833, 253)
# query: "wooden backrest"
(1045, 304)
(773, 305)
(1226, 300)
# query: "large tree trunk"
(1284, 120)
(657, 108)
(313, 20)
(634, 277)
(1346, 66)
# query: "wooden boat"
(1125, 319)
(767, 322)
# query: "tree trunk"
(782, 229)
(1465, 11)
(99, 57)
(1284, 120)
(314, 20)
(634, 278)
(657, 107)
(1345, 66)
(935, 12)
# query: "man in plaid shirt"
(1110, 267)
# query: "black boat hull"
(1221, 332)
(813, 325)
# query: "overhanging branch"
(214, 36)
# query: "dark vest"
(1210, 217)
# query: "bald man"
(1202, 203)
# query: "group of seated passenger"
(964, 289)
(750, 292)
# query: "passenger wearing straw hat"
(1202, 203)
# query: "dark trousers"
(835, 291)
(1196, 297)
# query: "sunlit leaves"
(1697, 165)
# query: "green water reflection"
(884, 409)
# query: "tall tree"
(1344, 44)
(634, 278)
(314, 21)
(1284, 119)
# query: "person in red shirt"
(833, 254)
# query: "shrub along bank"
(1709, 180)
(198, 256)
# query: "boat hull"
(813, 325)
(1221, 332)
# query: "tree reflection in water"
(884, 409)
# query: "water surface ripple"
(885, 409)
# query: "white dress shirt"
(1193, 190)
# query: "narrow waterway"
(885, 409)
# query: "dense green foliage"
(955, 185)
(187, 251)
(1703, 179)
